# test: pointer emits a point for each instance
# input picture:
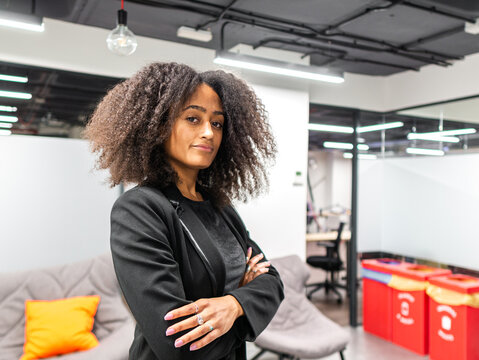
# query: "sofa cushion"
(58, 327)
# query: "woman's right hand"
(253, 269)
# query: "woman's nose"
(207, 130)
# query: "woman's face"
(197, 132)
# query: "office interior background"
(411, 63)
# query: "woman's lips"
(204, 147)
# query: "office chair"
(331, 263)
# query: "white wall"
(422, 207)
(53, 209)
(331, 179)
(277, 220)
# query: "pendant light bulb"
(121, 40)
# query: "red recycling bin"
(410, 305)
(454, 317)
(377, 296)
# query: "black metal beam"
(328, 52)
(218, 18)
(353, 253)
(435, 36)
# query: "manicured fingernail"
(193, 347)
(178, 343)
(168, 316)
(261, 255)
(170, 331)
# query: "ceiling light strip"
(450, 139)
(391, 125)
(20, 79)
(15, 95)
(418, 151)
(451, 132)
(330, 128)
(361, 156)
(7, 118)
(276, 67)
(8, 108)
(343, 146)
(6, 125)
(5, 132)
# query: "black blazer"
(164, 259)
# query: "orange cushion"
(59, 326)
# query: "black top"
(221, 237)
(164, 258)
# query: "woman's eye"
(192, 119)
(218, 125)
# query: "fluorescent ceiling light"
(415, 136)
(15, 95)
(7, 118)
(452, 132)
(193, 34)
(21, 21)
(6, 125)
(277, 67)
(419, 151)
(5, 132)
(344, 146)
(330, 128)
(392, 125)
(350, 130)
(361, 156)
(8, 108)
(20, 79)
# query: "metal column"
(352, 265)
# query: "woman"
(196, 284)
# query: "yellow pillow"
(59, 326)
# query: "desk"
(328, 236)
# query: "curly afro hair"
(132, 122)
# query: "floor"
(363, 346)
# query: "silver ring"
(211, 327)
(255, 271)
(248, 268)
(197, 308)
(200, 320)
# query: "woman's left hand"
(210, 318)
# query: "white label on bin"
(447, 337)
(446, 322)
(405, 308)
(403, 315)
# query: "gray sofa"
(114, 325)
